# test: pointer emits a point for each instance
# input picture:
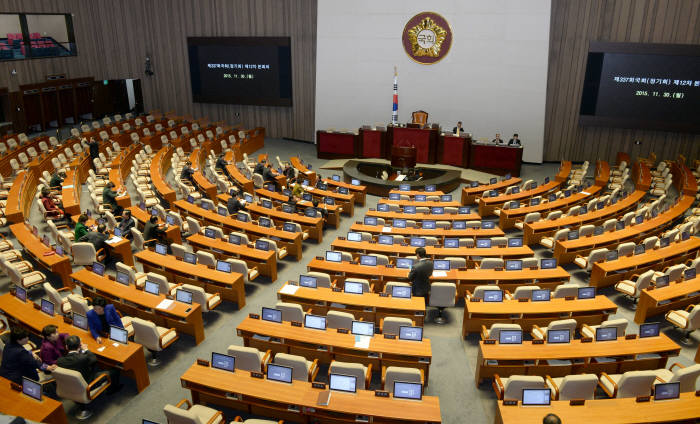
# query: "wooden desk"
(58, 265)
(310, 175)
(18, 404)
(674, 296)
(70, 193)
(128, 358)
(497, 159)
(239, 179)
(133, 302)
(329, 345)
(333, 217)
(207, 188)
(530, 359)
(368, 306)
(292, 241)
(159, 164)
(471, 194)
(120, 249)
(20, 196)
(413, 193)
(437, 232)
(345, 201)
(141, 216)
(254, 140)
(527, 314)
(622, 411)
(472, 216)
(608, 273)
(427, 204)
(534, 232)
(359, 191)
(297, 402)
(565, 251)
(228, 285)
(266, 262)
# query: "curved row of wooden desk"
(332, 219)
(358, 191)
(16, 403)
(471, 194)
(264, 261)
(677, 295)
(440, 233)
(390, 216)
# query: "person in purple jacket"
(53, 346)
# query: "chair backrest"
(619, 323)
(408, 375)
(457, 262)
(694, 318)
(349, 368)
(565, 290)
(625, 249)
(499, 241)
(146, 333)
(442, 294)
(83, 253)
(175, 415)
(138, 239)
(365, 284)
(391, 324)
(686, 376)
(586, 230)
(564, 324)
(595, 256)
(581, 386)
(78, 304)
(296, 362)
(54, 296)
(650, 242)
(635, 383)
(675, 272)
(70, 384)
(198, 296)
(524, 292)
(193, 225)
(247, 358)
(516, 383)
(495, 330)
(291, 311)
(479, 291)
(178, 250)
(491, 263)
(163, 286)
(338, 319)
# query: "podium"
(403, 156)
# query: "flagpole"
(395, 106)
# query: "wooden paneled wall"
(113, 38)
(576, 22)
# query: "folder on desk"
(362, 341)
(113, 240)
(439, 274)
(165, 304)
(289, 289)
(386, 229)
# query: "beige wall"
(9, 24)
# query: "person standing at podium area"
(458, 127)
(515, 141)
(420, 274)
(498, 139)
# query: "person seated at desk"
(323, 210)
(53, 210)
(288, 171)
(551, 419)
(498, 139)
(259, 168)
(109, 197)
(17, 361)
(420, 274)
(57, 179)
(153, 231)
(297, 189)
(292, 201)
(269, 175)
(187, 173)
(53, 346)
(97, 238)
(221, 164)
(515, 141)
(79, 358)
(458, 128)
(235, 203)
(126, 223)
(80, 228)
(100, 317)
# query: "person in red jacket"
(52, 209)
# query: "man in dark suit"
(97, 238)
(82, 360)
(109, 196)
(152, 231)
(94, 148)
(420, 273)
(259, 168)
(17, 361)
(188, 172)
(221, 164)
(515, 141)
(458, 127)
(126, 223)
(498, 139)
(235, 204)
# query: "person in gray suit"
(420, 273)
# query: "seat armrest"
(555, 395)
(182, 402)
(586, 326)
(498, 386)
(606, 376)
(160, 339)
(95, 382)
(368, 376)
(675, 364)
(267, 357)
(535, 327)
(383, 375)
(64, 289)
(238, 419)
(484, 333)
(313, 370)
(217, 415)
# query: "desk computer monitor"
(493, 193)
(515, 242)
(248, 198)
(279, 373)
(558, 336)
(316, 322)
(98, 268)
(399, 223)
(572, 235)
(223, 266)
(685, 235)
(664, 241)
(493, 180)
(515, 190)
(310, 212)
(689, 274)
(598, 230)
(409, 209)
(428, 224)
(31, 388)
(404, 263)
(271, 314)
(463, 210)
(80, 321)
(223, 362)
(267, 204)
(59, 250)
(21, 293)
(401, 292)
(151, 287)
(437, 210)
(289, 227)
(488, 225)
(161, 249)
(567, 193)
(483, 243)
(368, 260)
(222, 211)
(441, 265)
(123, 278)
(514, 204)
(639, 219)
(118, 334)
(534, 201)
(362, 328)
(405, 187)
(242, 217)
(355, 182)
(611, 255)
(510, 337)
(370, 220)
(546, 180)
(430, 188)
(322, 186)
(335, 178)
(541, 295)
(394, 196)
(47, 307)
(537, 397)
(117, 232)
(667, 391)
(264, 222)
(459, 225)
(417, 242)
(506, 177)
(271, 187)
(411, 333)
(170, 220)
(451, 243)
(287, 208)
(352, 236)
(205, 206)
(604, 334)
(209, 232)
(384, 239)
(333, 256)
(586, 292)
(262, 245)
(352, 287)
(446, 198)
(329, 200)
(382, 207)
(308, 281)
(650, 329)
(548, 263)
(639, 249)
(342, 383)
(190, 258)
(514, 265)
(421, 198)
(662, 281)
(584, 209)
(493, 296)
(405, 390)
(183, 296)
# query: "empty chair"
(530, 263)
(71, 385)
(431, 241)
(457, 262)
(565, 290)
(55, 296)
(152, 337)
(650, 242)
(686, 376)
(322, 279)
(137, 278)
(562, 324)
(511, 388)
(164, 286)
(559, 235)
(491, 263)
(302, 369)
(686, 320)
(631, 384)
(626, 249)
(391, 325)
(494, 332)
(241, 267)
(530, 217)
(194, 414)
(596, 255)
(290, 311)
(674, 272)
(359, 371)
(403, 374)
(586, 230)
(249, 358)
(581, 386)
(26, 280)
(208, 301)
(478, 292)
(499, 241)
(522, 292)
(281, 251)
(633, 288)
(78, 304)
(85, 254)
(619, 323)
(178, 250)
(339, 319)
(366, 287)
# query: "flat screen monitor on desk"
(316, 322)
(586, 293)
(117, 232)
(370, 220)
(223, 266)
(384, 239)
(488, 225)
(558, 336)
(271, 314)
(234, 239)
(451, 243)
(80, 321)
(437, 210)
(463, 210)
(689, 274)
(483, 243)
(368, 260)
(401, 292)
(352, 236)
(21, 293)
(289, 227)
(222, 211)
(183, 296)
(459, 225)
(534, 201)
(331, 201)
(382, 207)
(287, 208)
(310, 212)
(666, 391)
(209, 232)
(541, 295)
(242, 217)
(650, 329)
(405, 187)
(394, 196)
(262, 245)
(604, 334)
(430, 188)
(548, 263)
(266, 204)
(399, 223)
(441, 264)
(514, 265)
(161, 249)
(119, 335)
(264, 222)
(47, 307)
(98, 268)
(405, 390)
(308, 281)
(411, 333)
(639, 249)
(421, 198)
(446, 198)
(611, 255)
(333, 256)
(661, 281)
(335, 178)
(123, 278)
(31, 388)
(190, 258)
(493, 296)
(151, 287)
(223, 362)
(404, 263)
(428, 224)
(510, 337)
(537, 397)
(352, 287)
(515, 242)
(417, 242)
(279, 373)
(342, 383)
(355, 182)
(572, 235)
(362, 328)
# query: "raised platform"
(370, 174)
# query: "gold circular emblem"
(427, 38)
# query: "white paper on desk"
(400, 177)
(115, 344)
(165, 304)
(309, 188)
(362, 341)
(439, 274)
(289, 289)
(386, 229)
(586, 193)
(100, 349)
(68, 186)
(113, 240)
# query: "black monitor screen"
(689, 273)
(47, 307)
(264, 222)
(666, 391)
(411, 333)
(510, 337)
(262, 245)
(123, 278)
(661, 281)
(223, 266)
(342, 383)
(402, 292)
(441, 264)
(279, 373)
(514, 265)
(370, 220)
(223, 362)
(383, 239)
(307, 281)
(98, 268)
(394, 196)
(493, 296)
(558, 336)
(417, 242)
(428, 224)
(541, 295)
(368, 260)
(548, 263)
(586, 292)
(515, 242)
(604, 334)
(488, 225)
(421, 197)
(459, 225)
(234, 239)
(650, 329)
(270, 314)
(405, 263)
(409, 209)
(289, 227)
(451, 243)
(399, 223)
